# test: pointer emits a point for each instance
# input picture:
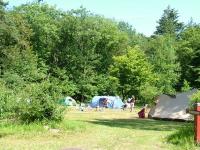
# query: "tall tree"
(134, 72)
(189, 54)
(134, 38)
(17, 60)
(44, 21)
(87, 45)
(162, 54)
(168, 23)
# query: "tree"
(76, 42)
(45, 38)
(16, 55)
(44, 21)
(133, 72)
(113, 43)
(88, 43)
(161, 53)
(134, 38)
(168, 23)
(19, 70)
(189, 54)
(2, 8)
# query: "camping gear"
(111, 102)
(68, 101)
(172, 107)
(141, 113)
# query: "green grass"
(107, 130)
(184, 137)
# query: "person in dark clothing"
(141, 113)
(105, 102)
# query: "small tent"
(67, 101)
(113, 102)
(172, 107)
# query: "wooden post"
(197, 124)
(196, 113)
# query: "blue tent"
(113, 101)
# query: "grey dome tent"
(172, 107)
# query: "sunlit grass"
(91, 130)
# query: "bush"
(148, 93)
(195, 98)
(37, 104)
(186, 86)
(6, 101)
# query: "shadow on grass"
(140, 124)
(184, 137)
(2, 135)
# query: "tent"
(113, 102)
(172, 107)
(67, 101)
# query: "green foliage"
(107, 85)
(189, 53)
(6, 101)
(169, 24)
(195, 98)
(186, 86)
(133, 72)
(60, 83)
(37, 102)
(13, 80)
(148, 92)
(133, 38)
(44, 21)
(161, 52)
(85, 50)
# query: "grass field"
(90, 130)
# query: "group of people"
(131, 103)
(103, 103)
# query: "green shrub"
(148, 93)
(37, 104)
(186, 86)
(33, 102)
(6, 102)
(195, 98)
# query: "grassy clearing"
(107, 130)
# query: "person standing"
(132, 103)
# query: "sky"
(141, 14)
